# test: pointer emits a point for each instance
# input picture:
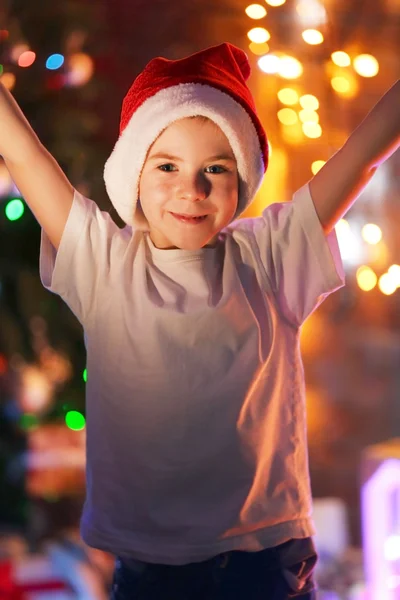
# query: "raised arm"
(35, 172)
(341, 180)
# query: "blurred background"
(318, 67)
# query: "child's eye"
(167, 168)
(215, 169)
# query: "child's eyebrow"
(162, 155)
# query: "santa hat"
(210, 83)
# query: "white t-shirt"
(195, 399)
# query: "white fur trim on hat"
(124, 166)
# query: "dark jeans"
(279, 573)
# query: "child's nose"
(194, 187)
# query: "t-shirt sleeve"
(81, 267)
(302, 265)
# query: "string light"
(269, 63)
(54, 62)
(317, 165)
(387, 284)
(366, 65)
(371, 233)
(287, 116)
(288, 96)
(308, 116)
(290, 67)
(312, 130)
(309, 102)
(275, 2)
(341, 59)
(256, 11)
(258, 35)
(312, 37)
(259, 49)
(26, 59)
(366, 278)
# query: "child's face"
(191, 171)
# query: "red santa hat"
(210, 83)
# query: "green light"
(75, 420)
(14, 209)
(84, 375)
(28, 421)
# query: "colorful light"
(366, 278)
(380, 505)
(309, 101)
(394, 271)
(312, 36)
(308, 116)
(259, 49)
(317, 165)
(256, 11)
(287, 116)
(269, 63)
(27, 59)
(75, 420)
(312, 130)
(387, 284)
(14, 209)
(371, 233)
(288, 96)
(341, 59)
(290, 67)
(8, 80)
(366, 65)
(54, 62)
(311, 13)
(258, 35)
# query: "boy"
(196, 448)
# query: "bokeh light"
(8, 80)
(371, 233)
(54, 62)
(259, 49)
(26, 59)
(309, 101)
(366, 278)
(387, 284)
(340, 58)
(275, 2)
(394, 271)
(75, 420)
(258, 35)
(311, 13)
(287, 116)
(312, 36)
(80, 69)
(366, 65)
(14, 209)
(317, 165)
(345, 85)
(17, 50)
(256, 11)
(288, 96)
(308, 116)
(290, 67)
(269, 63)
(312, 130)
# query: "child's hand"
(341, 180)
(35, 172)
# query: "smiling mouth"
(189, 218)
